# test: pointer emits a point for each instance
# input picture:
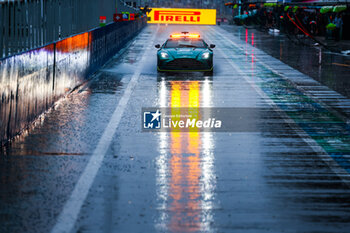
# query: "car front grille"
(185, 64)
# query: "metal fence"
(27, 24)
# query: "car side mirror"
(157, 46)
(212, 46)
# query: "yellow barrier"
(182, 16)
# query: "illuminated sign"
(182, 16)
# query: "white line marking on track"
(69, 215)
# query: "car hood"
(185, 52)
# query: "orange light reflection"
(185, 163)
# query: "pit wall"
(32, 81)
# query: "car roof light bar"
(185, 35)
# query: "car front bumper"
(185, 64)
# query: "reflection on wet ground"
(186, 178)
(289, 175)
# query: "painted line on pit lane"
(69, 215)
(333, 165)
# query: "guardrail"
(32, 81)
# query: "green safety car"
(185, 52)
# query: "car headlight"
(164, 55)
(206, 55)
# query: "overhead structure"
(182, 16)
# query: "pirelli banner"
(182, 16)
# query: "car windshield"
(184, 43)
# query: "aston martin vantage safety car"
(185, 52)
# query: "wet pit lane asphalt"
(323, 64)
(87, 167)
